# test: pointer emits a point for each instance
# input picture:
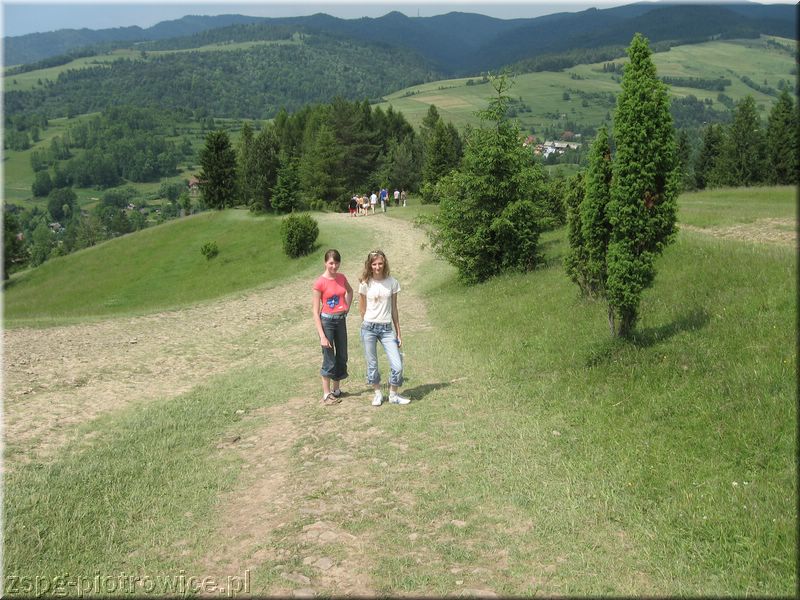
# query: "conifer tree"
(285, 195)
(705, 167)
(742, 154)
(575, 260)
(246, 166)
(265, 157)
(782, 143)
(488, 220)
(218, 171)
(596, 228)
(644, 187)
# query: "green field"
(543, 92)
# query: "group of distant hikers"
(380, 322)
(362, 205)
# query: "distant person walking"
(331, 301)
(403, 197)
(353, 206)
(373, 200)
(397, 197)
(377, 303)
(384, 198)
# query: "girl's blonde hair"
(366, 274)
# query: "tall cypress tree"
(644, 187)
(575, 260)
(218, 171)
(596, 228)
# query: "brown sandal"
(330, 399)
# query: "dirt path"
(59, 377)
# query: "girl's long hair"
(366, 274)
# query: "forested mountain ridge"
(459, 43)
(250, 82)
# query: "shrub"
(209, 250)
(298, 232)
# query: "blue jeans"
(334, 360)
(371, 333)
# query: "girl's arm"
(396, 320)
(315, 308)
(348, 297)
(362, 305)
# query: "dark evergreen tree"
(42, 184)
(218, 171)
(247, 169)
(265, 158)
(782, 142)
(742, 154)
(644, 187)
(320, 178)
(705, 166)
(286, 194)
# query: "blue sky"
(29, 16)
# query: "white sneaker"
(378, 399)
(398, 399)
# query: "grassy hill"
(157, 268)
(539, 457)
(543, 92)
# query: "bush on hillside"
(298, 232)
(209, 250)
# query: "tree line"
(747, 151)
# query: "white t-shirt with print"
(379, 298)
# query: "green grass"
(156, 269)
(663, 466)
(734, 206)
(140, 497)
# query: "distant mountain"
(678, 23)
(34, 47)
(460, 43)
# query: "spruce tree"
(218, 171)
(705, 166)
(782, 150)
(644, 187)
(742, 154)
(246, 166)
(285, 195)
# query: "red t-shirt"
(333, 293)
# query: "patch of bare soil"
(768, 231)
(300, 465)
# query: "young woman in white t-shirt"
(377, 303)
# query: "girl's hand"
(399, 341)
(324, 342)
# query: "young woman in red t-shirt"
(331, 301)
